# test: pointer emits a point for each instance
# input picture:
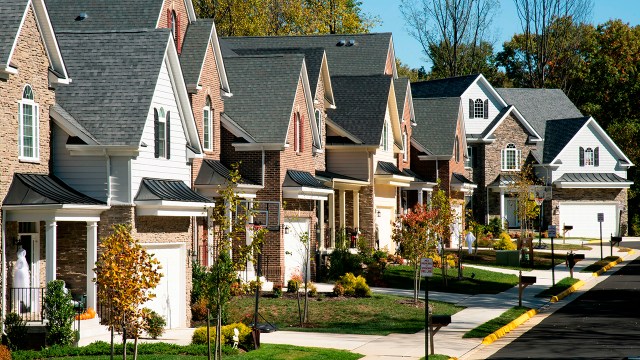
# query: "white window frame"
(385, 136)
(468, 162)
(478, 109)
(510, 152)
(589, 157)
(298, 128)
(29, 102)
(162, 133)
(173, 25)
(207, 126)
(319, 124)
(405, 149)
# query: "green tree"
(126, 275)
(405, 71)
(526, 209)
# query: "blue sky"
(504, 25)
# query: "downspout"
(263, 167)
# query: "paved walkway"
(479, 309)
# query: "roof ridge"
(299, 36)
(113, 31)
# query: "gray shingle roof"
(539, 105)
(104, 14)
(312, 57)
(169, 190)
(367, 57)
(194, 49)
(361, 102)
(592, 177)
(114, 78)
(38, 189)
(264, 89)
(449, 87)
(437, 119)
(11, 12)
(558, 134)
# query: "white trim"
(54, 212)
(235, 129)
(68, 127)
(207, 124)
(171, 208)
(306, 88)
(592, 185)
(393, 180)
(342, 132)
(518, 116)
(305, 193)
(35, 124)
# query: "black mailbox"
(615, 240)
(440, 320)
(528, 280)
(567, 227)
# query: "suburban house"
(584, 171)
(442, 158)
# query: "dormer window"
(29, 121)
(590, 156)
(385, 137)
(207, 124)
(162, 133)
(478, 109)
(510, 159)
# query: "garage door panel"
(584, 219)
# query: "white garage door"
(294, 249)
(170, 293)
(584, 219)
(385, 229)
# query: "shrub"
(293, 285)
(494, 226)
(59, 312)
(635, 225)
(352, 286)
(342, 261)
(312, 290)
(5, 354)
(154, 323)
(244, 336)
(277, 291)
(16, 330)
(198, 279)
(338, 290)
(504, 243)
(200, 336)
(199, 310)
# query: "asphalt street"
(603, 323)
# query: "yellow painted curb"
(510, 326)
(607, 267)
(567, 291)
(631, 252)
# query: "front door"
(294, 249)
(30, 242)
(511, 212)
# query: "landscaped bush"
(198, 279)
(494, 226)
(59, 312)
(312, 290)
(352, 286)
(244, 336)
(199, 336)
(342, 261)
(154, 323)
(277, 291)
(199, 310)
(16, 330)
(504, 243)
(5, 354)
(293, 285)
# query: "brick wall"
(181, 12)
(318, 104)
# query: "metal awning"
(340, 181)
(162, 197)
(302, 185)
(592, 180)
(388, 174)
(418, 183)
(460, 183)
(213, 175)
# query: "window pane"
(511, 159)
(27, 93)
(478, 109)
(207, 129)
(27, 130)
(161, 139)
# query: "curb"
(567, 291)
(510, 326)
(607, 267)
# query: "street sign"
(551, 231)
(600, 217)
(426, 267)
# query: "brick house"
(268, 126)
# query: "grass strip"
(495, 324)
(559, 287)
(600, 264)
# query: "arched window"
(319, 124)
(405, 146)
(298, 128)
(478, 109)
(207, 124)
(456, 149)
(588, 157)
(385, 137)
(162, 133)
(29, 121)
(173, 23)
(510, 158)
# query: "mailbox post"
(601, 220)
(523, 282)
(426, 270)
(437, 321)
(552, 234)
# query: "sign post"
(426, 270)
(552, 234)
(601, 220)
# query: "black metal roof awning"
(214, 175)
(460, 183)
(389, 174)
(44, 189)
(162, 197)
(592, 180)
(302, 185)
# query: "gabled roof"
(361, 103)
(264, 92)
(109, 14)
(13, 14)
(438, 120)
(40, 189)
(540, 105)
(403, 91)
(199, 35)
(558, 134)
(448, 87)
(115, 75)
(167, 190)
(367, 56)
(488, 132)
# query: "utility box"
(508, 257)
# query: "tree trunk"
(208, 334)
(416, 282)
(135, 348)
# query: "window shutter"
(471, 108)
(36, 131)
(169, 18)
(596, 156)
(156, 132)
(302, 133)
(178, 44)
(20, 131)
(295, 132)
(581, 156)
(518, 155)
(486, 109)
(502, 159)
(168, 137)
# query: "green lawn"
(377, 315)
(541, 259)
(483, 281)
(559, 287)
(600, 264)
(493, 325)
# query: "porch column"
(356, 209)
(51, 249)
(332, 219)
(92, 257)
(250, 271)
(420, 197)
(209, 249)
(321, 224)
(502, 207)
(343, 222)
